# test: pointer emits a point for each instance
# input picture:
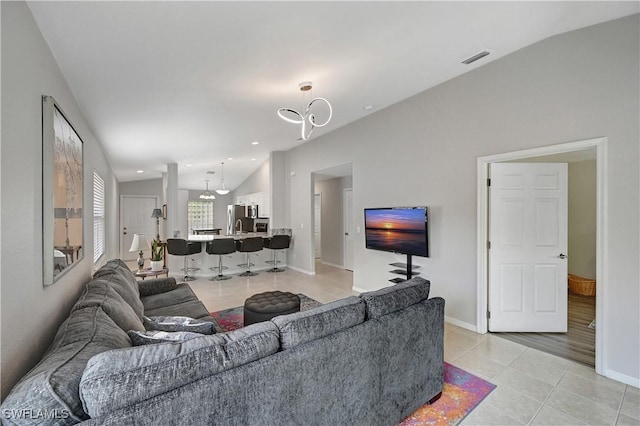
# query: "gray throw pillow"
(139, 338)
(175, 323)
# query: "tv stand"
(406, 269)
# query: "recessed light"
(140, 171)
(230, 158)
(253, 159)
(255, 143)
(188, 165)
(368, 107)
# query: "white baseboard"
(623, 378)
(332, 264)
(461, 324)
(302, 271)
(359, 290)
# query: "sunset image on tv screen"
(397, 230)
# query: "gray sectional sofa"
(368, 360)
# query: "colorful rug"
(461, 394)
(233, 318)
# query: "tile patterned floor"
(533, 387)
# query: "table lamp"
(138, 244)
(157, 213)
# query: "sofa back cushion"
(117, 379)
(100, 292)
(390, 299)
(52, 386)
(120, 277)
(318, 322)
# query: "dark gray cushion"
(53, 384)
(181, 294)
(119, 379)
(178, 323)
(118, 274)
(318, 322)
(191, 309)
(140, 338)
(101, 293)
(156, 286)
(391, 299)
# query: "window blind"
(98, 217)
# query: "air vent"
(211, 172)
(476, 57)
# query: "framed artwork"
(62, 193)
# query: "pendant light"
(206, 194)
(308, 116)
(222, 190)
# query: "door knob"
(562, 256)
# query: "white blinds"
(98, 217)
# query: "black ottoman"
(264, 306)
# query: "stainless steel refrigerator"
(235, 213)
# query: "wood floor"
(578, 344)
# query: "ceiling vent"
(476, 57)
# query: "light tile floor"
(533, 387)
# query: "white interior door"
(135, 214)
(348, 229)
(318, 225)
(528, 247)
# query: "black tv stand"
(406, 269)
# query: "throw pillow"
(139, 338)
(171, 323)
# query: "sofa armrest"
(156, 286)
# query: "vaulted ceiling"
(195, 83)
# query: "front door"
(136, 219)
(528, 247)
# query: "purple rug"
(233, 318)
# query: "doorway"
(569, 152)
(135, 218)
(328, 191)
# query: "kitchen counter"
(241, 236)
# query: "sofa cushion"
(140, 338)
(123, 281)
(181, 294)
(101, 293)
(191, 309)
(318, 322)
(156, 286)
(178, 323)
(117, 379)
(396, 297)
(52, 386)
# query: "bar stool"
(180, 247)
(275, 243)
(221, 246)
(248, 246)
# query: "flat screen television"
(400, 230)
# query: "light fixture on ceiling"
(308, 115)
(206, 194)
(222, 190)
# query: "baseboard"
(302, 271)
(623, 378)
(332, 264)
(359, 290)
(461, 324)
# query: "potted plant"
(156, 255)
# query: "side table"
(149, 273)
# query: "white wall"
(31, 313)
(582, 218)
(257, 182)
(423, 151)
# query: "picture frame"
(62, 193)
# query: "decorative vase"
(156, 265)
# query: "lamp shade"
(156, 213)
(139, 243)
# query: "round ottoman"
(264, 306)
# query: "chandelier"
(206, 194)
(222, 190)
(308, 118)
